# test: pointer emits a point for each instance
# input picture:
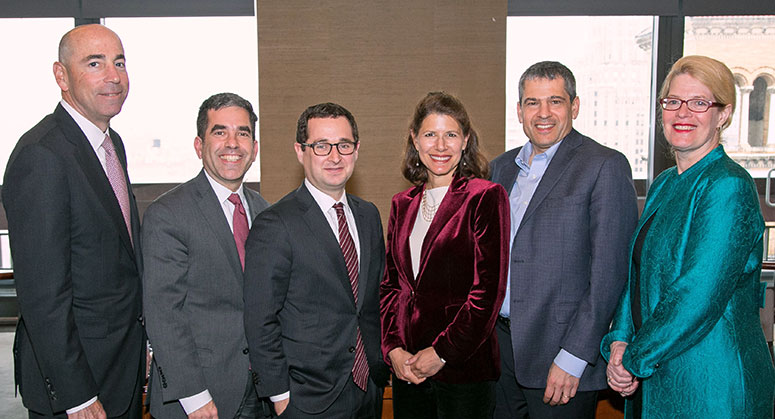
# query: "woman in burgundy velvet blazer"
(447, 254)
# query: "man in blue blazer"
(573, 210)
(313, 267)
(75, 240)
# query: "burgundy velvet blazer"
(453, 303)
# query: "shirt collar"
(223, 193)
(92, 133)
(324, 201)
(523, 157)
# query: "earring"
(465, 164)
(416, 164)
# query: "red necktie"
(360, 366)
(115, 173)
(240, 226)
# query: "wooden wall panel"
(378, 59)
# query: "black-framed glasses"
(694, 105)
(344, 148)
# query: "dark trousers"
(352, 403)
(436, 400)
(516, 401)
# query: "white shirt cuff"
(193, 403)
(569, 363)
(82, 406)
(280, 397)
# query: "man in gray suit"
(573, 210)
(193, 279)
(314, 263)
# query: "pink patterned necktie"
(240, 226)
(115, 173)
(360, 366)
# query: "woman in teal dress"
(686, 341)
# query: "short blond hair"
(714, 74)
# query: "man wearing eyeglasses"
(313, 265)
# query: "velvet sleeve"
(389, 293)
(725, 227)
(475, 320)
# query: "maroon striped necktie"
(360, 366)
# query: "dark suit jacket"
(453, 303)
(77, 272)
(569, 257)
(193, 299)
(300, 314)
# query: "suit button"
(351, 349)
(245, 351)
(140, 318)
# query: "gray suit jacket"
(569, 258)
(300, 313)
(193, 299)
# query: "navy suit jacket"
(569, 258)
(77, 272)
(300, 314)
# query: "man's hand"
(280, 406)
(403, 371)
(425, 363)
(560, 386)
(208, 411)
(619, 379)
(93, 411)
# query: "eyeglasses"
(344, 148)
(694, 105)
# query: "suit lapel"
(410, 206)
(508, 175)
(553, 174)
(254, 207)
(450, 205)
(95, 175)
(319, 230)
(213, 216)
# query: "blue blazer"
(569, 257)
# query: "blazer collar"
(321, 232)
(96, 177)
(450, 205)
(212, 214)
(558, 165)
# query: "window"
(746, 44)
(26, 77)
(611, 58)
(169, 79)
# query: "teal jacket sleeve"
(724, 231)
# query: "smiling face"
(228, 149)
(440, 144)
(692, 135)
(328, 173)
(546, 112)
(92, 74)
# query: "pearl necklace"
(428, 210)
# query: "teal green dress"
(700, 351)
